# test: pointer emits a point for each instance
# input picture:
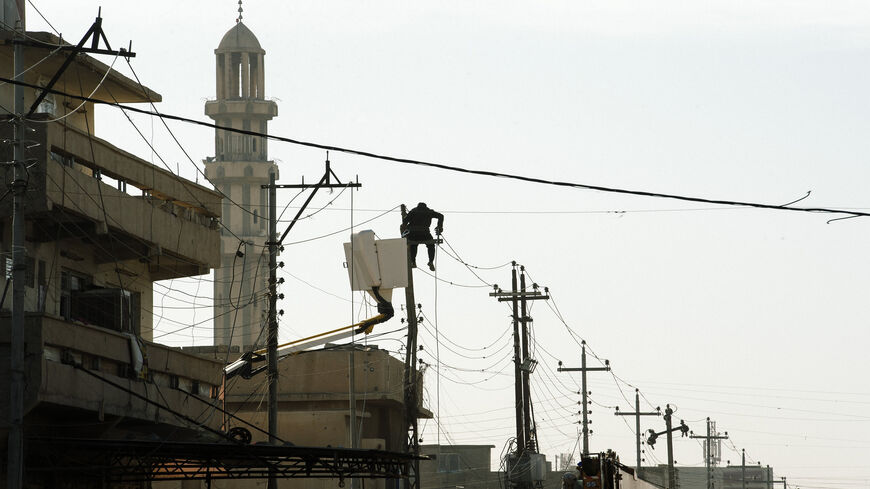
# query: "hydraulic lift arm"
(244, 366)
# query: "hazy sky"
(755, 318)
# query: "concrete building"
(458, 466)
(102, 225)
(728, 477)
(238, 169)
(314, 408)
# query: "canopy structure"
(147, 460)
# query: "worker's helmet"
(421, 205)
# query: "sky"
(751, 317)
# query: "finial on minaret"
(240, 12)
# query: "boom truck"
(376, 266)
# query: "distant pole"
(672, 476)
(743, 467)
(16, 339)
(273, 323)
(708, 458)
(637, 414)
(584, 394)
(637, 426)
(769, 478)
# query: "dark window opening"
(108, 307)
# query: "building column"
(228, 76)
(246, 75)
(261, 77)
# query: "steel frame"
(140, 460)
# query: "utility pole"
(526, 366)
(272, 336)
(637, 414)
(743, 467)
(412, 440)
(274, 245)
(523, 363)
(708, 456)
(651, 441)
(16, 335)
(672, 477)
(583, 369)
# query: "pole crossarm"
(324, 182)
(583, 369)
(94, 34)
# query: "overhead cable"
(472, 171)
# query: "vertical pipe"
(585, 400)
(273, 322)
(743, 468)
(15, 470)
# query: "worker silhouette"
(416, 224)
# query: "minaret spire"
(240, 12)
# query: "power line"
(471, 171)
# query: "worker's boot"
(431, 266)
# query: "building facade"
(101, 227)
(238, 170)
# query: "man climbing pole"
(415, 227)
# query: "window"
(448, 462)
(70, 284)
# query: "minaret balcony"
(249, 108)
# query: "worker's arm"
(440, 227)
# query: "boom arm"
(244, 366)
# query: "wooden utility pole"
(15, 468)
(326, 181)
(583, 369)
(669, 429)
(637, 414)
(272, 336)
(672, 474)
(412, 440)
(524, 365)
